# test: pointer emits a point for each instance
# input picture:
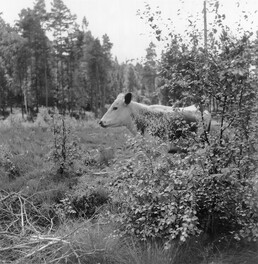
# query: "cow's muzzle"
(102, 124)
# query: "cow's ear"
(128, 98)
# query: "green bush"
(43, 118)
(85, 205)
(155, 193)
(223, 178)
(210, 189)
(7, 164)
(221, 171)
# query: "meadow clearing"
(63, 184)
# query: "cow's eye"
(114, 108)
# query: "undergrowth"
(132, 204)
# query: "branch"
(222, 118)
(8, 196)
(22, 217)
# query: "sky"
(129, 34)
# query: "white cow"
(191, 108)
(140, 117)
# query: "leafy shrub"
(223, 178)
(64, 209)
(155, 193)
(165, 125)
(85, 205)
(7, 164)
(106, 155)
(223, 169)
(43, 118)
(210, 189)
(88, 204)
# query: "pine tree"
(149, 70)
(62, 24)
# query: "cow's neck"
(131, 126)
(138, 109)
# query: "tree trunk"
(46, 83)
(25, 100)
(98, 95)
(205, 26)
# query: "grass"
(27, 175)
(30, 146)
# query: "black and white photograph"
(129, 131)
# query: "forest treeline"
(48, 59)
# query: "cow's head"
(119, 113)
